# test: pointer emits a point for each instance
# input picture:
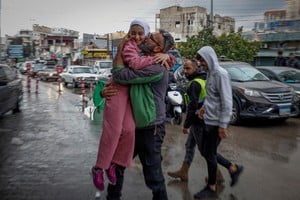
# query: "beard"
(189, 76)
(145, 48)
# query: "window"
(177, 24)
(190, 22)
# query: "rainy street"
(47, 150)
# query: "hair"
(169, 42)
(194, 63)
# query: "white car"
(105, 75)
(102, 66)
(76, 74)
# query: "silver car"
(11, 92)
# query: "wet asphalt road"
(47, 150)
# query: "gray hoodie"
(218, 101)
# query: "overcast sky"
(106, 16)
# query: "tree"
(231, 45)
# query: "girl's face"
(137, 33)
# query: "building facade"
(280, 30)
(183, 22)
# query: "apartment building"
(293, 9)
(183, 22)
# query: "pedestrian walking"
(216, 112)
(292, 61)
(192, 125)
(280, 60)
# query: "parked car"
(287, 75)
(19, 66)
(11, 90)
(257, 96)
(23, 68)
(105, 75)
(48, 73)
(103, 68)
(36, 68)
(178, 59)
(102, 65)
(74, 74)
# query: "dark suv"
(256, 96)
(11, 90)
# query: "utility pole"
(107, 44)
(211, 14)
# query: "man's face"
(152, 43)
(292, 56)
(202, 62)
(188, 68)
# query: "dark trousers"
(210, 143)
(148, 143)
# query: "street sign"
(15, 51)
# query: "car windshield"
(105, 65)
(38, 66)
(82, 70)
(290, 76)
(48, 68)
(244, 73)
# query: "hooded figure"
(216, 113)
(141, 23)
(218, 102)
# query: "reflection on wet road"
(48, 149)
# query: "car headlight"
(297, 96)
(251, 93)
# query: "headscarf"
(141, 23)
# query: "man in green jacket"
(148, 91)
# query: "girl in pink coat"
(118, 134)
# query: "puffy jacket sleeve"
(149, 74)
(132, 58)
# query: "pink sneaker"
(111, 174)
(98, 178)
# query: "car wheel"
(74, 84)
(235, 117)
(18, 105)
(281, 120)
(65, 83)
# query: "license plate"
(284, 110)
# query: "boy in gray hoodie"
(216, 112)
